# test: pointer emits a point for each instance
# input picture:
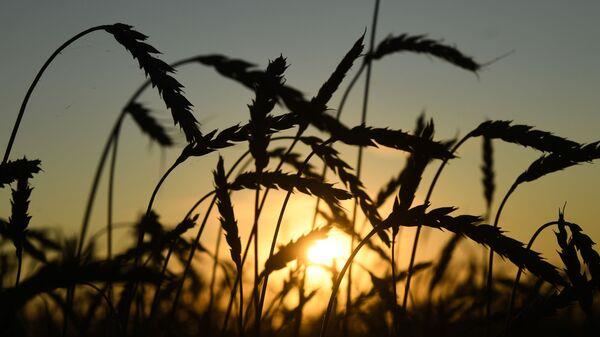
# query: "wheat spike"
(331, 158)
(333, 82)
(18, 169)
(421, 44)
(559, 161)
(524, 135)
(467, 225)
(20, 218)
(294, 250)
(148, 124)
(158, 72)
(289, 182)
(227, 219)
(266, 92)
(487, 170)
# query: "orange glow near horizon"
(324, 256)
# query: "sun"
(326, 251)
(324, 257)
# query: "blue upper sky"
(550, 81)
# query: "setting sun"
(326, 250)
(324, 256)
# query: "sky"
(549, 80)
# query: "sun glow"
(325, 251)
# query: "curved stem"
(346, 93)
(395, 321)
(109, 303)
(196, 242)
(363, 119)
(95, 182)
(258, 298)
(338, 281)
(188, 263)
(338, 115)
(109, 224)
(513, 293)
(19, 265)
(490, 270)
(155, 299)
(140, 238)
(88, 209)
(111, 178)
(280, 219)
(413, 253)
(33, 84)
(295, 138)
(241, 308)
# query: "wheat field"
(343, 274)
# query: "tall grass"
(161, 284)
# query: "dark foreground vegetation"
(51, 285)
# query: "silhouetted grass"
(159, 284)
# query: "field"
(341, 275)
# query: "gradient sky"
(550, 81)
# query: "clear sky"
(550, 81)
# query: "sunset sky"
(550, 80)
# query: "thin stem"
(338, 115)
(300, 307)
(196, 242)
(363, 119)
(337, 118)
(155, 299)
(338, 281)
(188, 264)
(109, 304)
(395, 321)
(111, 182)
(513, 293)
(19, 265)
(109, 224)
(256, 277)
(111, 178)
(249, 242)
(490, 270)
(33, 84)
(88, 209)
(140, 238)
(257, 211)
(92, 195)
(281, 214)
(346, 93)
(413, 253)
(213, 275)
